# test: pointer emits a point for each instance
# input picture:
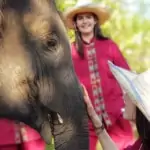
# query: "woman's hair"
(143, 127)
(78, 41)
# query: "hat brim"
(127, 81)
(102, 14)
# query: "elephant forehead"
(39, 22)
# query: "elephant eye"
(52, 43)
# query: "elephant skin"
(38, 85)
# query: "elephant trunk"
(73, 134)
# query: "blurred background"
(129, 27)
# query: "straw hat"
(99, 10)
(137, 86)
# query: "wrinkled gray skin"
(38, 85)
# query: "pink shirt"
(105, 50)
(120, 131)
(136, 146)
(12, 133)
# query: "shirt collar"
(88, 43)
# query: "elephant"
(38, 84)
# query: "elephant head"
(38, 85)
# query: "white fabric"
(137, 86)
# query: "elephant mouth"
(47, 128)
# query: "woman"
(90, 53)
(18, 136)
(134, 111)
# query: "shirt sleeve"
(118, 59)
(117, 56)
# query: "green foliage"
(51, 146)
(62, 5)
(131, 33)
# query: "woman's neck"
(87, 37)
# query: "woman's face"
(85, 23)
(130, 109)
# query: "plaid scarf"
(99, 103)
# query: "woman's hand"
(129, 112)
(105, 140)
(97, 123)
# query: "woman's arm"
(104, 138)
(117, 56)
